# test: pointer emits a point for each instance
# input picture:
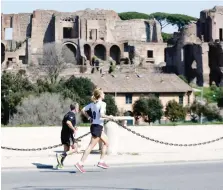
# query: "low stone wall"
(34, 137)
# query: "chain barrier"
(167, 143)
(128, 129)
(44, 148)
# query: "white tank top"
(97, 109)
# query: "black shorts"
(67, 139)
(96, 130)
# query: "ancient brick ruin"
(86, 33)
(198, 50)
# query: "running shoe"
(59, 166)
(80, 168)
(59, 159)
(102, 165)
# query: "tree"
(111, 108)
(166, 19)
(155, 109)
(46, 109)
(53, 59)
(162, 18)
(133, 15)
(166, 37)
(81, 87)
(149, 107)
(14, 87)
(180, 20)
(140, 107)
(175, 111)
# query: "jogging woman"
(98, 108)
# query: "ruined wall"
(88, 27)
(6, 23)
(98, 14)
(43, 27)
(43, 31)
(186, 57)
(157, 49)
(218, 20)
(174, 60)
(20, 23)
(215, 62)
(209, 23)
(101, 18)
(70, 20)
(22, 26)
(138, 30)
(205, 61)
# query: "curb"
(117, 165)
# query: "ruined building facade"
(198, 50)
(87, 33)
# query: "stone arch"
(115, 53)
(2, 52)
(100, 51)
(69, 52)
(87, 51)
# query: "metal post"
(9, 104)
(202, 93)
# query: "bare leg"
(68, 150)
(73, 149)
(94, 141)
(104, 139)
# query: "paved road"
(190, 176)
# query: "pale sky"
(188, 7)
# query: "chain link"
(167, 143)
(43, 148)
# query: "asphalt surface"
(181, 176)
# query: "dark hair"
(73, 106)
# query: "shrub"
(175, 111)
(210, 112)
(46, 109)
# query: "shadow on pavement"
(74, 187)
(95, 152)
(43, 166)
(59, 151)
(67, 171)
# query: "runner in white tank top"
(98, 109)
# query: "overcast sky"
(188, 7)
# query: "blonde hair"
(96, 94)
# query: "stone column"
(112, 131)
(83, 29)
(107, 54)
